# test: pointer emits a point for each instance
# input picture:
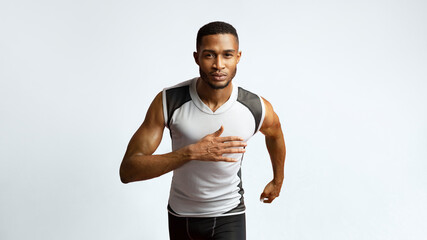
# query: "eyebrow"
(212, 51)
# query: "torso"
(201, 188)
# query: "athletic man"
(210, 120)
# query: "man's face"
(217, 58)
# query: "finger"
(218, 132)
(230, 139)
(234, 144)
(266, 199)
(263, 197)
(232, 150)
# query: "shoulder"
(174, 97)
(246, 96)
(177, 94)
(177, 91)
(254, 103)
(178, 86)
(271, 120)
(154, 114)
(250, 100)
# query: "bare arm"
(139, 163)
(275, 142)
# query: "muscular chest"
(189, 124)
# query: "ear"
(196, 57)
(239, 54)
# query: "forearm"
(139, 167)
(277, 151)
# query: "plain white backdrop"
(348, 80)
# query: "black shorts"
(215, 228)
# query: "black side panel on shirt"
(253, 103)
(241, 207)
(175, 98)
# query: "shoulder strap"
(175, 98)
(253, 103)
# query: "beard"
(205, 78)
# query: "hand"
(271, 191)
(213, 146)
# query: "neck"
(213, 98)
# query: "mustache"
(216, 73)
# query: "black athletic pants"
(212, 228)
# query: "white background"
(348, 80)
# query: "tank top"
(204, 188)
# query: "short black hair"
(213, 28)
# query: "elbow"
(124, 180)
(131, 172)
(124, 175)
(128, 175)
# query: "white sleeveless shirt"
(203, 188)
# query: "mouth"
(219, 76)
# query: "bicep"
(271, 124)
(149, 135)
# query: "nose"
(219, 63)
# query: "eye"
(209, 55)
(228, 55)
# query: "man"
(210, 120)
